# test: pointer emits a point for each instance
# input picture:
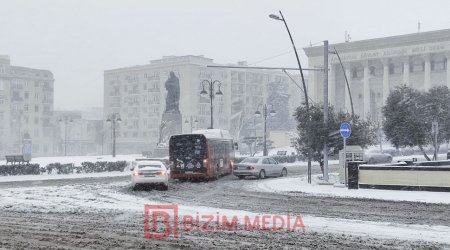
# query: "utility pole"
(325, 108)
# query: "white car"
(150, 173)
(260, 167)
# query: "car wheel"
(135, 187)
(241, 177)
(284, 172)
(262, 174)
(165, 187)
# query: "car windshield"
(250, 160)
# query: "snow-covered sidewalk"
(44, 177)
(77, 160)
(300, 184)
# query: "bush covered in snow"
(28, 169)
(58, 168)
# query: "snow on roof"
(214, 133)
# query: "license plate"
(188, 172)
(148, 175)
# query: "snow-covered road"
(84, 208)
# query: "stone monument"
(171, 122)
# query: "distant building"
(81, 132)
(26, 107)
(138, 94)
(375, 66)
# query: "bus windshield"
(186, 147)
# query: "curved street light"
(276, 17)
(264, 114)
(210, 84)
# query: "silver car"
(260, 167)
(376, 158)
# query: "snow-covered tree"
(409, 114)
(313, 133)
(404, 123)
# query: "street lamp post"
(258, 114)
(305, 91)
(296, 55)
(205, 93)
(114, 119)
(191, 121)
(66, 119)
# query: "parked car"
(376, 158)
(260, 167)
(149, 173)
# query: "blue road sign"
(345, 130)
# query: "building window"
(36, 108)
(26, 108)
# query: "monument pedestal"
(173, 123)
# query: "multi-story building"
(374, 67)
(138, 95)
(26, 108)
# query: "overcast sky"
(77, 40)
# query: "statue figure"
(173, 93)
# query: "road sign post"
(345, 131)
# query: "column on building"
(348, 71)
(385, 63)
(311, 88)
(332, 85)
(427, 72)
(366, 88)
(405, 61)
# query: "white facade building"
(26, 108)
(375, 66)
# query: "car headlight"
(136, 173)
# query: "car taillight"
(250, 167)
(205, 162)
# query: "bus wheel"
(262, 174)
(241, 177)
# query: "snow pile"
(300, 184)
